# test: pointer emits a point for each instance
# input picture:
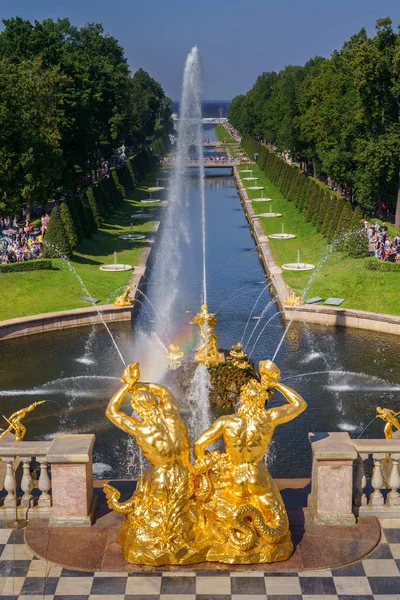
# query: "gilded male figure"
(158, 525)
(244, 511)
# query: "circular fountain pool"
(115, 268)
(281, 236)
(132, 236)
(298, 267)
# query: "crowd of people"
(233, 132)
(381, 244)
(19, 241)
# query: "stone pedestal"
(71, 480)
(330, 501)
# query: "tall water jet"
(175, 229)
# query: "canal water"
(342, 373)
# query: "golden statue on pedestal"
(293, 299)
(14, 422)
(238, 357)
(208, 351)
(124, 299)
(390, 418)
(226, 507)
(158, 528)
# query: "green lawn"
(336, 274)
(38, 292)
(231, 144)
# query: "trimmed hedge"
(374, 264)
(329, 212)
(40, 264)
(56, 243)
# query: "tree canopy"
(67, 99)
(339, 114)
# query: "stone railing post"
(331, 498)
(70, 457)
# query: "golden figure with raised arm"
(390, 418)
(158, 528)
(226, 507)
(14, 422)
(208, 351)
(244, 513)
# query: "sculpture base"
(97, 549)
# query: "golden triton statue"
(226, 507)
(159, 526)
(208, 351)
(243, 514)
(124, 299)
(390, 417)
(14, 422)
(238, 357)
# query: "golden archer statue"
(14, 422)
(390, 417)
(226, 507)
(208, 351)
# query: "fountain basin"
(132, 236)
(247, 170)
(250, 178)
(255, 187)
(157, 188)
(270, 215)
(142, 216)
(261, 199)
(116, 268)
(298, 267)
(150, 200)
(282, 236)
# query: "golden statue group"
(225, 507)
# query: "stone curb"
(323, 315)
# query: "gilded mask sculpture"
(226, 507)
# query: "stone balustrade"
(353, 477)
(349, 478)
(63, 490)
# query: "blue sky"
(237, 40)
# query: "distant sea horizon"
(209, 108)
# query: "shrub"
(94, 205)
(357, 243)
(56, 242)
(118, 184)
(40, 264)
(374, 264)
(69, 225)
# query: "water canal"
(342, 373)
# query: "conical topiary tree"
(55, 242)
(69, 225)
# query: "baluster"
(394, 482)
(26, 481)
(9, 500)
(44, 484)
(377, 498)
(360, 483)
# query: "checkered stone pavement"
(377, 577)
